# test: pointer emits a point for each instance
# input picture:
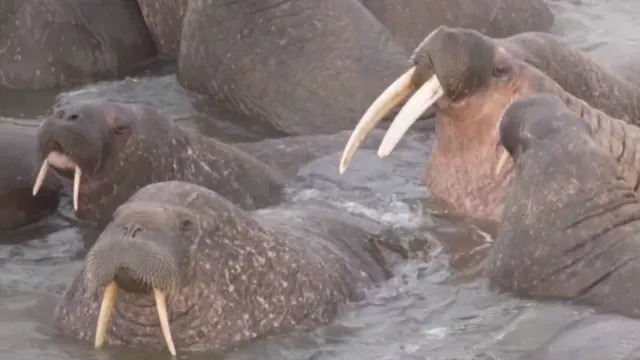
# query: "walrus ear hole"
(120, 129)
(186, 225)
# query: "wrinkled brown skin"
(578, 73)
(61, 43)
(164, 21)
(302, 67)
(231, 276)
(480, 79)
(570, 224)
(122, 147)
(410, 20)
(596, 337)
(18, 207)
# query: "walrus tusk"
(504, 156)
(161, 306)
(108, 299)
(390, 97)
(422, 100)
(76, 186)
(42, 174)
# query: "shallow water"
(423, 313)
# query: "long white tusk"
(390, 97)
(108, 299)
(422, 100)
(504, 156)
(161, 306)
(42, 174)
(76, 186)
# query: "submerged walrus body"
(219, 276)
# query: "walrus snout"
(143, 250)
(535, 118)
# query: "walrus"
(219, 276)
(111, 149)
(18, 207)
(468, 80)
(61, 43)
(570, 223)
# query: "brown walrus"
(110, 150)
(469, 80)
(571, 223)
(219, 276)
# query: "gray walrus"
(18, 207)
(60, 43)
(468, 80)
(570, 223)
(111, 149)
(306, 67)
(219, 276)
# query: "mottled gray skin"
(60, 43)
(164, 21)
(578, 73)
(410, 20)
(480, 79)
(303, 67)
(123, 147)
(596, 337)
(18, 207)
(231, 276)
(570, 223)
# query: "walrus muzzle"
(423, 98)
(153, 264)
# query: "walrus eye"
(120, 129)
(501, 70)
(186, 225)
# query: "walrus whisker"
(161, 306)
(108, 300)
(430, 92)
(388, 99)
(42, 174)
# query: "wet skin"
(468, 80)
(570, 224)
(111, 150)
(61, 43)
(18, 207)
(223, 275)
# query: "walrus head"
(468, 80)
(533, 119)
(99, 142)
(145, 249)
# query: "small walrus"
(219, 276)
(112, 149)
(571, 223)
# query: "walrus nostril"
(131, 230)
(72, 117)
(129, 283)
